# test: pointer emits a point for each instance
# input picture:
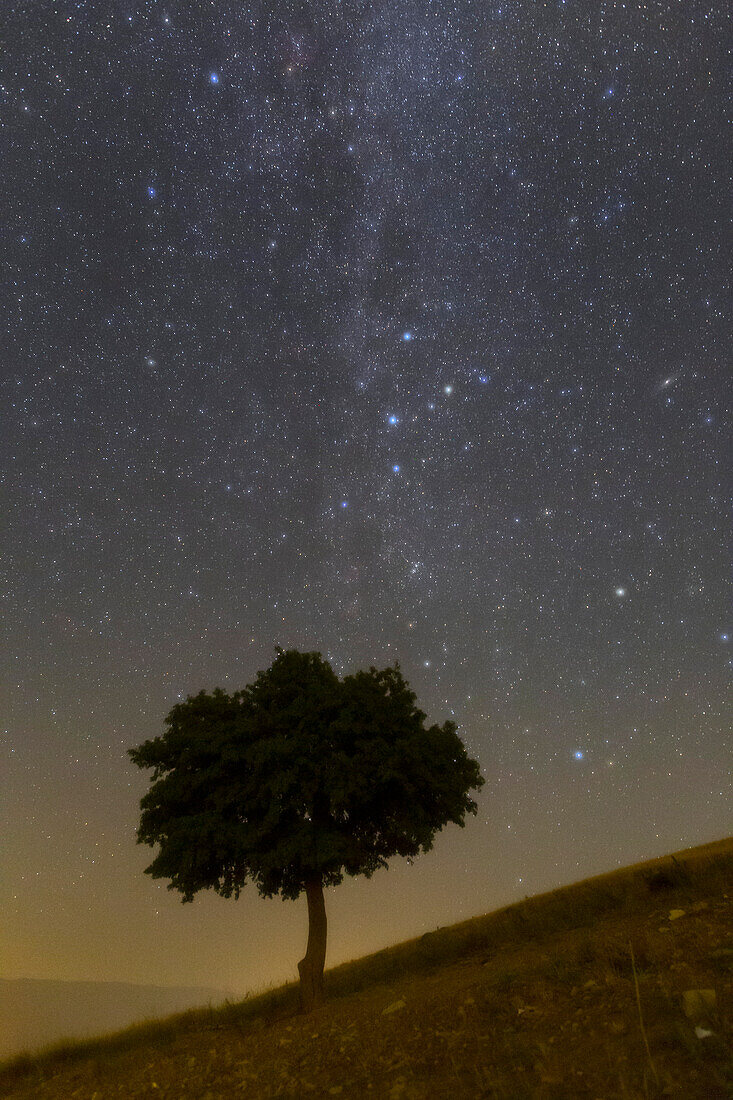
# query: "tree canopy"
(297, 780)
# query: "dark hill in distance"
(36, 1012)
(620, 986)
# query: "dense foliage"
(300, 777)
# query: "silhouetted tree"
(295, 781)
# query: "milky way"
(397, 331)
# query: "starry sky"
(394, 331)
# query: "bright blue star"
(578, 754)
(395, 469)
(151, 192)
(483, 378)
(393, 419)
(214, 78)
(344, 504)
(407, 336)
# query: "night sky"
(396, 331)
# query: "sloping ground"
(585, 992)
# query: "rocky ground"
(553, 1019)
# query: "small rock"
(698, 1003)
(675, 914)
(703, 1033)
(335, 1090)
(394, 1007)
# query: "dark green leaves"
(298, 776)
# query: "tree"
(296, 781)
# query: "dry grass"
(576, 993)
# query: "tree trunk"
(311, 965)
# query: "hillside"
(585, 992)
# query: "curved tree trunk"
(311, 965)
